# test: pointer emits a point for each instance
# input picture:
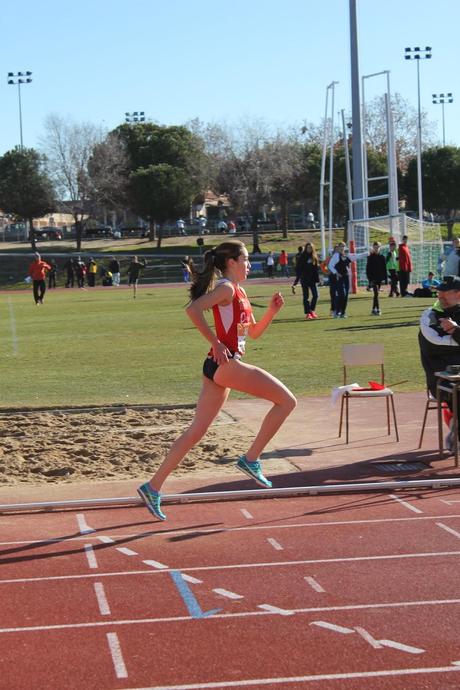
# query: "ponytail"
(214, 263)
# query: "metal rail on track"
(239, 494)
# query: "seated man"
(429, 287)
(439, 336)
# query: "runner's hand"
(276, 302)
(221, 353)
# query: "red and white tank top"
(232, 321)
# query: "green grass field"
(103, 347)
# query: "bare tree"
(69, 147)
(405, 119)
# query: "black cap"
(449, 283)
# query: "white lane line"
(126, 551)
(405, 504)
(267, 610)
(314, 584)
(233, 566)
(318, 678)
(156, 564)
(14, 337)
(117, 656)
(276, 545)
(275, 609)
(449, 529)
(104, 607)
(331, 626)
(226, 593)
(368, 637)
(401, 647)
(193, 580)
(91, 556)
(247, 514)
(245, 528)
(449, 503)
(82, 525)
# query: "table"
(448, 383)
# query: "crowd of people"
(82, 274)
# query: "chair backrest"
(362, 355)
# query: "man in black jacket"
(439, 335)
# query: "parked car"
(47, 234)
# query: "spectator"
(452, 259)
(405, 267)
(180, 224)
(310, 220)
(222, 226)
(307, 272)
(295, 262)
(429, 287)
(52, 273)
(270, 263)
(231, 228)
(376, 271)
(81, 272)
(114, 268)
(134, 270)
(339, 277)
(107, 278)
(92, 271)
(37, 271)
(187, 269)
(284, 264)
(70, 272)
(393, 268)
(439, 337)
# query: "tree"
(165, 171)
(69, 148)
(108, 170)
(25, 188)
(440, 182)
(405, 122)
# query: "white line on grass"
(405, 504)
(117, 656)
(103, 604)
(14, 337)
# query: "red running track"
(334, 592)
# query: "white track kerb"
(198, 497)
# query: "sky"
(244, 60)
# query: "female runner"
(217, 287)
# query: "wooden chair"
(365, 356)
(431, 404)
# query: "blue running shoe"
(152, 500)
(253, 470)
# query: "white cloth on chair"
(340, 390)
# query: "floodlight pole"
(441, 99)
(20, 78)
(357, 142)
(418, 54)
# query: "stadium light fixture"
(442, 99)
(418, 54)
(20, 78)
(135, 117)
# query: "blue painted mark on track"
(189, 599)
